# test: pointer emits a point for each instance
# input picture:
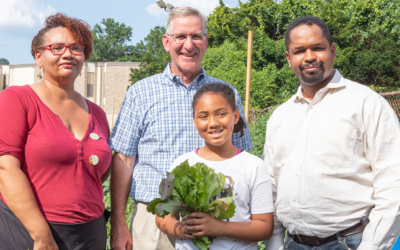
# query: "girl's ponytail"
(239, 126)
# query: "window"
(89, 90)
(3, 82)
(90, 85)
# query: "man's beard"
(316, 77)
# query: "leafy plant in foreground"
(188, 189)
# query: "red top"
(66, 185)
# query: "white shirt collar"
(336, 82)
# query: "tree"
(110, 42)
(4, 61)
(153, 57)
(366, 33)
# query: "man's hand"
(120, 186)
(121, 238)
(201, 224)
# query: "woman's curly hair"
(81, 31)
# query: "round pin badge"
(94, 160)
(94, 136)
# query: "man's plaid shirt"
(156, 125)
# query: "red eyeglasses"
(59, 49)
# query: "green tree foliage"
(4, 61)
(376, 63)
(153, 58)
(366, 33)
(110, 42)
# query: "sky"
(20, 20)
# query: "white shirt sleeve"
(178, 161)
(260, 192)
(382, 137)
(276, 241)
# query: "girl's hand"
(183, 232)
(201, 224)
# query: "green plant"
(188, 189)
(261, 245)
(257, 132)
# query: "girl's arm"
(202, 224)
(172, 227)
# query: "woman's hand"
(47, 243)
(196, 225)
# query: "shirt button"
(296, 174)
(301, 151)
(294, 199)
(311, 107)
(94, 160)
(191, 134)
(298, 223)
(94, 136)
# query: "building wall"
(80, 81)
(117, 79)
(22, 76)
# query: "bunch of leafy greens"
(188, 189)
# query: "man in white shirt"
(333, 154)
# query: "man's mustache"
(312, 65)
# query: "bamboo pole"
(113, 114)
(390, 93)
(248, 78)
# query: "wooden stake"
(113, 115)
(248, 78)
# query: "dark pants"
(342, 243)
(90, 235)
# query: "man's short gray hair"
(185, 11)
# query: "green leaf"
(162, 208)
(222, 208)
(151, 208)
(203, 243)
(166, 186)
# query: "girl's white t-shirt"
(247, 178)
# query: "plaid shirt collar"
(177, 80)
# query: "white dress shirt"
(333, 160)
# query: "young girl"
(216, 117)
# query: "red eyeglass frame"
(66, 47)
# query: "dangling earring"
(40, 73)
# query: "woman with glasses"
(53, 150)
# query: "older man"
(155, 126)
(333, 152)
